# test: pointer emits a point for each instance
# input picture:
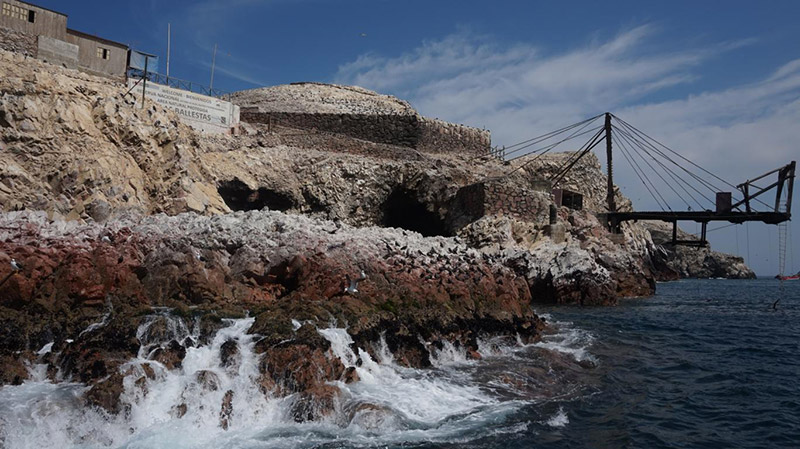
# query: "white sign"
(198, 111)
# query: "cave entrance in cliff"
(239, 197)
(403, 210)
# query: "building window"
(103, 53)
(31, 16)
(18, 13)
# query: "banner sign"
(198, 111)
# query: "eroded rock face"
(588, 268)
(695, 262)
(74, 145)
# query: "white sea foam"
(98, 324)
(45, 349)
(560, 419)
(450, 354)
(568, 340)
(181, 408)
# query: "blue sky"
(717, 80)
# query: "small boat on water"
(792, 277)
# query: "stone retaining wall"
(495, 197)
(339, 143)
(438, 136)
(406, 130)
(18, 42)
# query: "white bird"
(352, 284)
(16, 266)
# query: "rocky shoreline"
(140, 239)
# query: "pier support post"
(612, 207)
(674, 233)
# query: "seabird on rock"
(352, 284)
(16, 266)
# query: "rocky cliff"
(121, 215)
(695, 262)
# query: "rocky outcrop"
(694, 262)
(588, 268)
(88, 288)
(74, 145)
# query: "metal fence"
(498, 152)
(178, 83)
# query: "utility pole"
(213, 62)
(144, 80)
(612, 207)
(169, 35)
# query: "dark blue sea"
(703, 364)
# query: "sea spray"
(419, 398)
(214, 397)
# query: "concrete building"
(42, 32)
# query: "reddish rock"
(105, 394)
(315, 403)
(171, 356)
(415, 289)
(226, 410)
(350, 375)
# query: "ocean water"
(702, 364)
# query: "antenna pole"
(213, 62)
(169, 35)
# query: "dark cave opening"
(239, 197)
(403, 210)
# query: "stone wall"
(406, 130)
(495, 197)
(437, 136)
(391, 129)
(18, 42)
(334, 142)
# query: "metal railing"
(498, 152)
(178, 83)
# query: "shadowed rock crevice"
(239, 197)
(403, 210)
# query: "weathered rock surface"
(695, 262)
(94, 285)
(74, 145)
